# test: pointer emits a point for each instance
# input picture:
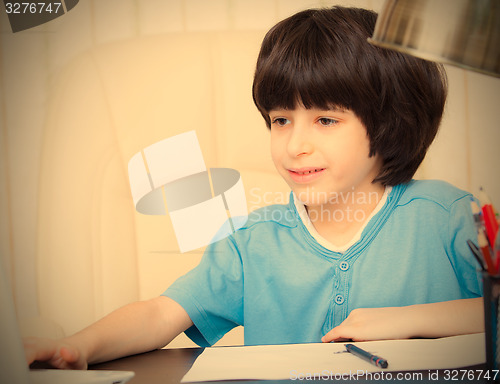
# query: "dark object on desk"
(165, 366)
(375, 360)
(491, 308)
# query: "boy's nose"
(299, 142)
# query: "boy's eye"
(327, 121)
(280, 121)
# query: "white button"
(339, 299)
(344, 265)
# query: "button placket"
(344, 266)
(340, 295)
(336, 281)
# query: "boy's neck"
(340, 219)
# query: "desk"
(168, 366)
(163, 366)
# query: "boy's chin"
(311, 199)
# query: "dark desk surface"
(165, 366)
(168, 366)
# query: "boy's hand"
(447, 318)
(372, 324)
(57, 353)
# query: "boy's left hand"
(372, 324)
(447, 318)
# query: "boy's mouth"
(305, 175)
(306, 171)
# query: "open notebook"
(13, 366)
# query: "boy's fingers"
(68, 354)
(53, 352)
(333, 335)
(328, 337)
(342, 332)
(72, 358)
(37, 349)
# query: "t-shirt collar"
(301, 210)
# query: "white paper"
(324, 361)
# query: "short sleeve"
(461, 229)
(212, 293)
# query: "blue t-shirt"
(275, 279)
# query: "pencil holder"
(491, 309)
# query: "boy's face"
(323, 155)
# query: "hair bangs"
(296, 73)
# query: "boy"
(361, 251)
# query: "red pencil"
(485, 249)
(489, 217)
(481, 238)
(496, 252)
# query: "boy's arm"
(134, 328)
(442, 319)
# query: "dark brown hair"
(321, 58)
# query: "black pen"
(378, 361)
(477, 254)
